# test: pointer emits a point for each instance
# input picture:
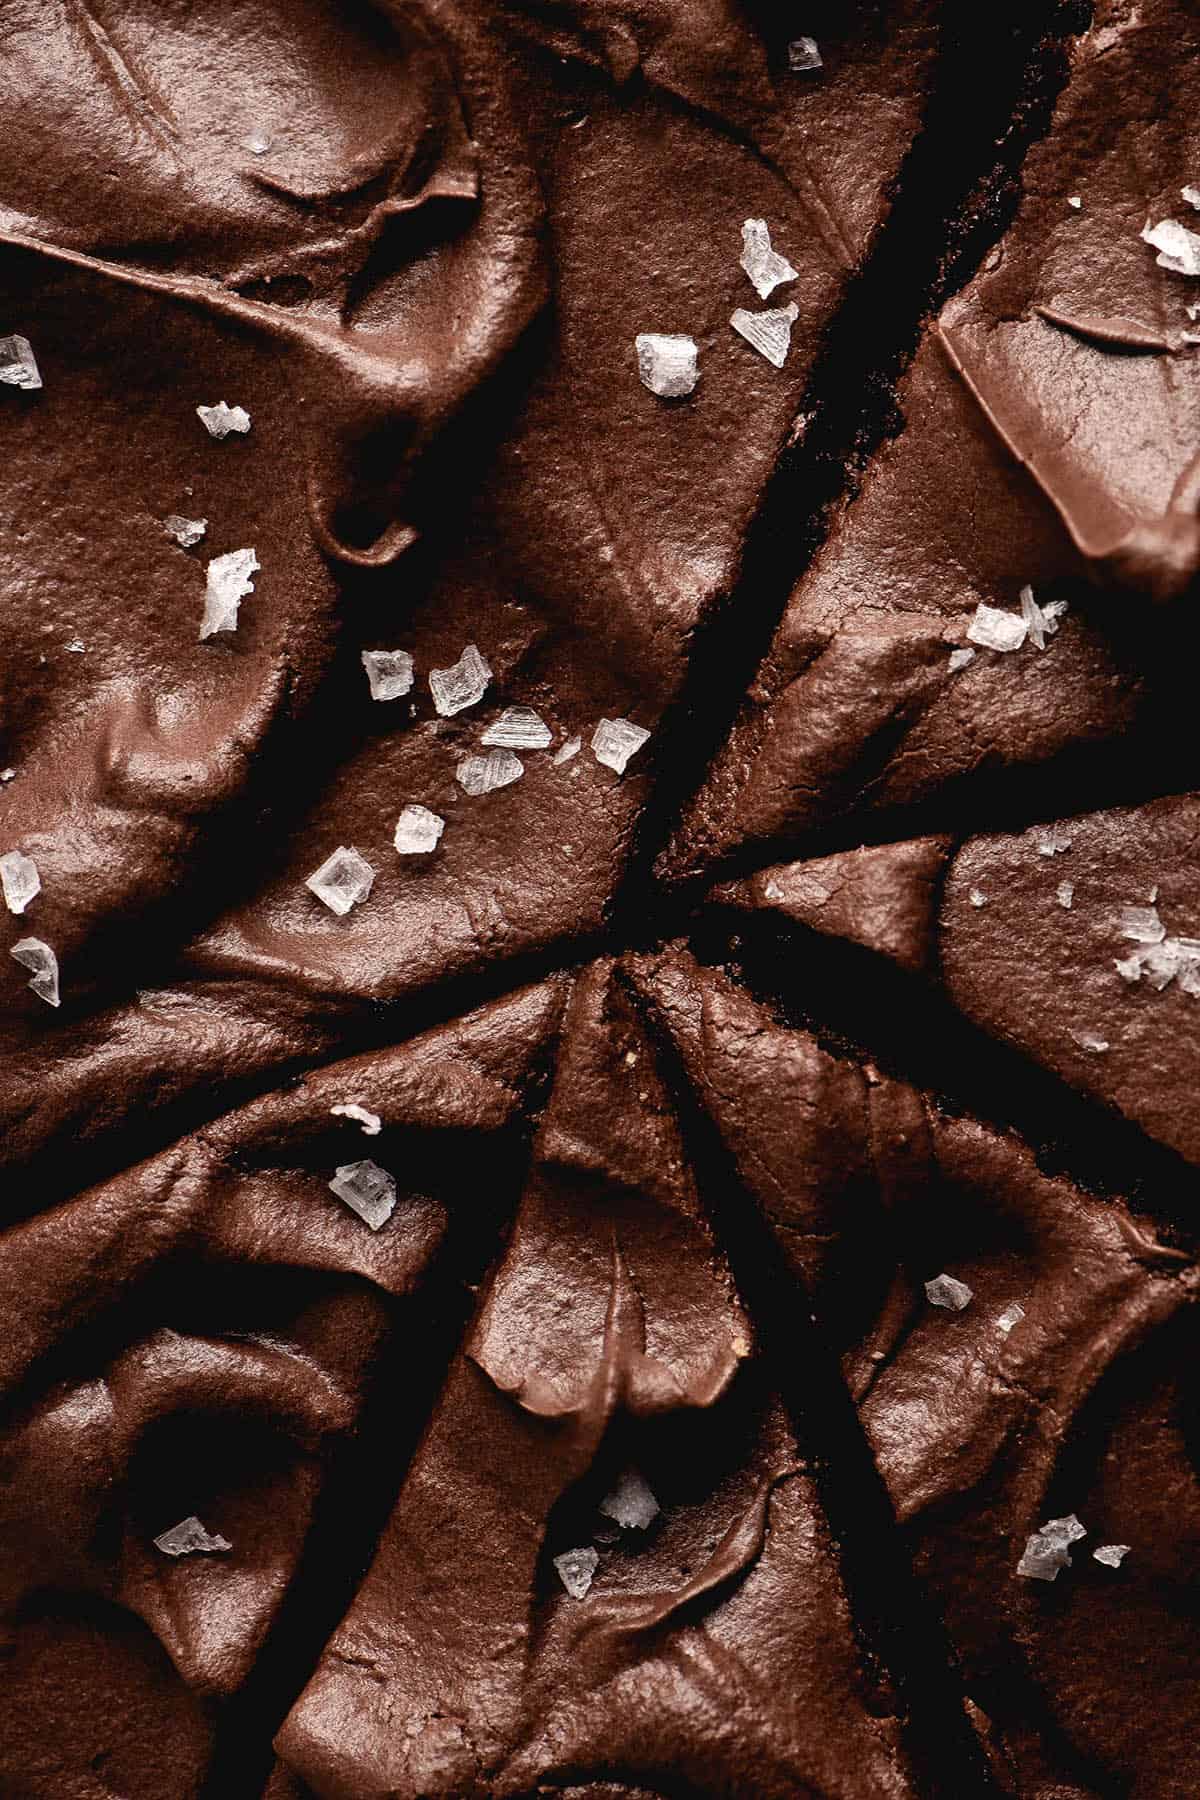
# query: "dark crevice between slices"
(899, 1632)
(366, 1474)
(999, 72)
(66, 1167)
(860, 1005)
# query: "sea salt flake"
(418, 831)
(19, 880)
(342, 881)
(1179, 248)
(18, 364)
(997, 630)
(463, 684)
(1192, 196)
(803, 55)
(765, 267)
(220, 420)
(226, 585)
(76, 646)
(770, 333)
(39, 957)
(1054, 840)
(1075, 201)
(1012, 1315)
(188, 1537)
(7, 774)
(960, 658)
(367, 1190)
(1040, 624)
(186, 532)
(1113, 1555)
(389, 673)
(631, 1503)
(1042, 1558)
(519, 728)
(977, 897)
(1064, 893)
(1090, 1040)
(667, 364)
(944, 1290)
(350, 1109)
(1142, 925)
(566, 751)
(614, 741)
(576, 1569)
(258, 143)
(477, 775)
(1046, 1552)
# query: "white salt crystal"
(220, 420)
(769, 332)
(389, 672)
(1041, 624)
(19, 880)
(1042, 1558)
(1065, 893)
(1192, 196)
(226, 586)
(960, 658)
(1012, 1315)
(614, 741)
(1193, 312)
(258, 143)
(350, 1109)
(1075, 201)
(803, 55)
(367, 1190)
(188, 1537)
(18, 365)
(1090, 1040)
(418, 831)
(463, 684)
(1046, 1552)
(631, 1503)
(765, 267)
(1052, 613)
(667, 364)
(1161, 963)
(186, 532)
(342, 881)
(76, 646)
(484, 774)
(576, 1569)
(566, 751)
(944, 1290)
(1113, 1555)
(997, 630)
(1142, 925)
(1179, 248)
(7, 774)
(41, 959)
(1053, 840)
(977, 897)
(519, 728)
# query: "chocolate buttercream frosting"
(602, 961)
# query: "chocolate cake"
(598, 791)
